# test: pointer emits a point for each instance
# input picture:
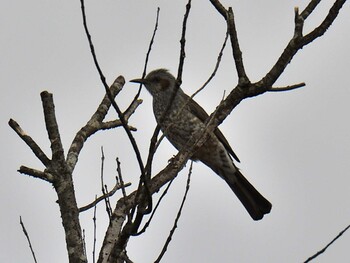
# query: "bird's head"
(158, 82)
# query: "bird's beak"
(141, 81)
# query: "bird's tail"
(256, 205)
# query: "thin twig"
(120, 177)
(218, 61)
(108, 203)
(151, 44)
(149, 52)
(183, 43)
(95, 226)
(286, 88)
(152, 151)
(144, 177)
(103, 197)
(165, 247)
(28, 239)
(104, 187)
(102, 171)
(330, 243)
(155, 209)
(156, 131)
(114, 104)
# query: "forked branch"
(58, 171)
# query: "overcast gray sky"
(294, 146)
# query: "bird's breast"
(177, 123)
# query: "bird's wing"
(198, 111)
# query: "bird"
(179, 117)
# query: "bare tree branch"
(131, 110)
(157, 129)
(146, 206)
(152, 149)
(59, 171)
(95, 226)
(148, 52)
(218, 61)
(102, 197)
(155, 209)
(120, 177)
(298, 23)
(236, 51)
(298, 41)
(220, 8)
(96, 122)
(28, 239)
(58, 174)
(30, 142)
(104, 187)
(165, 247)
(84, 242)
(310, 8)
(330, 243)
(286, 88)
(36, 173)
(326, 23)
(183, 43)
(151, 153)
(52, 127)
(111, 98)
(114, 124)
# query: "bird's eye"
(164, 84)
